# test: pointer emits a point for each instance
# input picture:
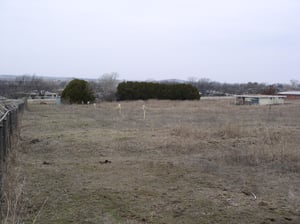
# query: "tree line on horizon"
(105, 88)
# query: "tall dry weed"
(230, 130)
(12, 201)
(268, 147)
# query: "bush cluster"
(78, 91)
(150, 90)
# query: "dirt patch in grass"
(186, 162)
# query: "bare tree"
(107, 86)
(295, 84)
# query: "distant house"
(35, 94)
(49, 95)
(43, 97)
(290, 95)
(258, 99)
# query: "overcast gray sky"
(223, 40)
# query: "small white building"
(43, 97)
(259, 99)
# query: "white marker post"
(120, 109)
(144, 109)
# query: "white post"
(120, 109)
(144, 109)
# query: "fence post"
(1, 166)
(1, 144)
(10, 123)
(8, 133)
(4, 138)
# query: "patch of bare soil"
(186, 162)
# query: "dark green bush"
(149, 90)
(78, 91)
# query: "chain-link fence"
(10, 112)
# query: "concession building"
(259, 99)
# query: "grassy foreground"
(205, 161)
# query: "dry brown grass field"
(206, 161)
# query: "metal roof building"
(291, 95)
